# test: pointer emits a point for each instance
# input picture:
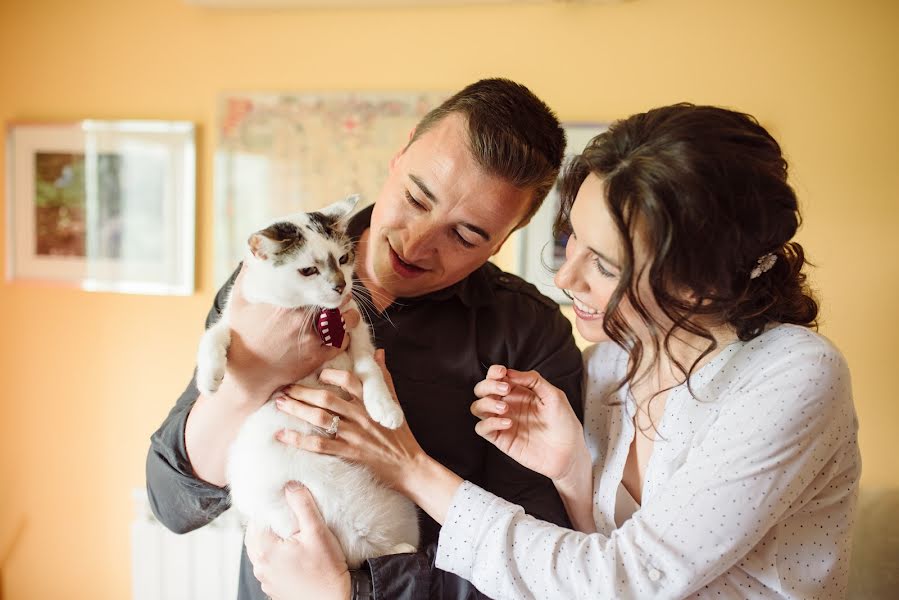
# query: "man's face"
(439, 216)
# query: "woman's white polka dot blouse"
(749, 492)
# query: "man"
(475, 169)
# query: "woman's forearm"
(577, 496)
(431, 486)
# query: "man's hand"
(273, 346)
(309, 564)
(270, 348)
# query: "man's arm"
(270, 347)
(179, 499)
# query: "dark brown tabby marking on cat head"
(323, 224)
(288, 237)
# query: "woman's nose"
(569, 277)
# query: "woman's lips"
(585, 312)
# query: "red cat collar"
(330, 327)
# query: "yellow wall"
(87, 377)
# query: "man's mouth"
(403, 268)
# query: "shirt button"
(654, 575)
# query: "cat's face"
(305, 259)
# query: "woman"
(718, 453)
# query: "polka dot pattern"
(749, 492)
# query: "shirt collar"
(475, 290)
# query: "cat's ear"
(274, 239)
(341, 209)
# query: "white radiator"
(201, 565)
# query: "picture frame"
(540, 253)
(102, 205)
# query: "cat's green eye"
(309, 271)
(345, 259)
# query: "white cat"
(307, 260)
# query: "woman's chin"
(591, 330)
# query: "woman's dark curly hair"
(706, 191)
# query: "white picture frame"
(539, 253)
(102, 205)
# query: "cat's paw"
(385, 411)
(209, 379)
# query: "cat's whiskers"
(377, 294)
(310, 313)
(367, 305)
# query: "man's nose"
(419, 239)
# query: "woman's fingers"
(313, 443)
(345, 380)
(317, 417)
(534, 381)
(496, 372)
(491, 425)
(488, 407)
(323, 399)
(491, 387)
(344, 444)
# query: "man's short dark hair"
(512, 134)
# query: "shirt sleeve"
(776, 437)
(179, 499)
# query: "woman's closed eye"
(602, 270)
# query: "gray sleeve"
(179, 499)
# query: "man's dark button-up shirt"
(438, 346)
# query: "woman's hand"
(272, 346)
(532, 421)
(308, 565)
(390, 453)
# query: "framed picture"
(540, 252)
(281, 153)
(103, 205)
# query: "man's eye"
(411, 200)
(345, 259)
(309, 271)
(463, 241)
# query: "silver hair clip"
(763, 265)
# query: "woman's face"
(591, 270)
